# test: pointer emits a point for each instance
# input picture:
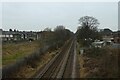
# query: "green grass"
(12, 58)
(12, 52)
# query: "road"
(63, 65)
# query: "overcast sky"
(36, 16)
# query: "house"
(98, 44)
(116, 36)
(19, 35)
(29, 35)
(11, 36)
(0, 35)
(106, 32)
(108, 38)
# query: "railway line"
(63, 65)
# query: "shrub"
(95, 51)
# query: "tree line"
(58, 36)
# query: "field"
(14, 51)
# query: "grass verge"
(28, 71)
(11, 52)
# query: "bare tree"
(10, 29)
(59, 32)
(88, 21)
(87, 31)
(47, 29)
(60, 27)
(62, 34)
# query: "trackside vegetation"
(23, 62)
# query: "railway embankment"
(99, 62)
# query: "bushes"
(100, 63)
(50, 41)
(30, 60)
(95, 51)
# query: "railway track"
(63, 65)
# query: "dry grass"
(28, 71)
(102, 66)
(12, 52)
